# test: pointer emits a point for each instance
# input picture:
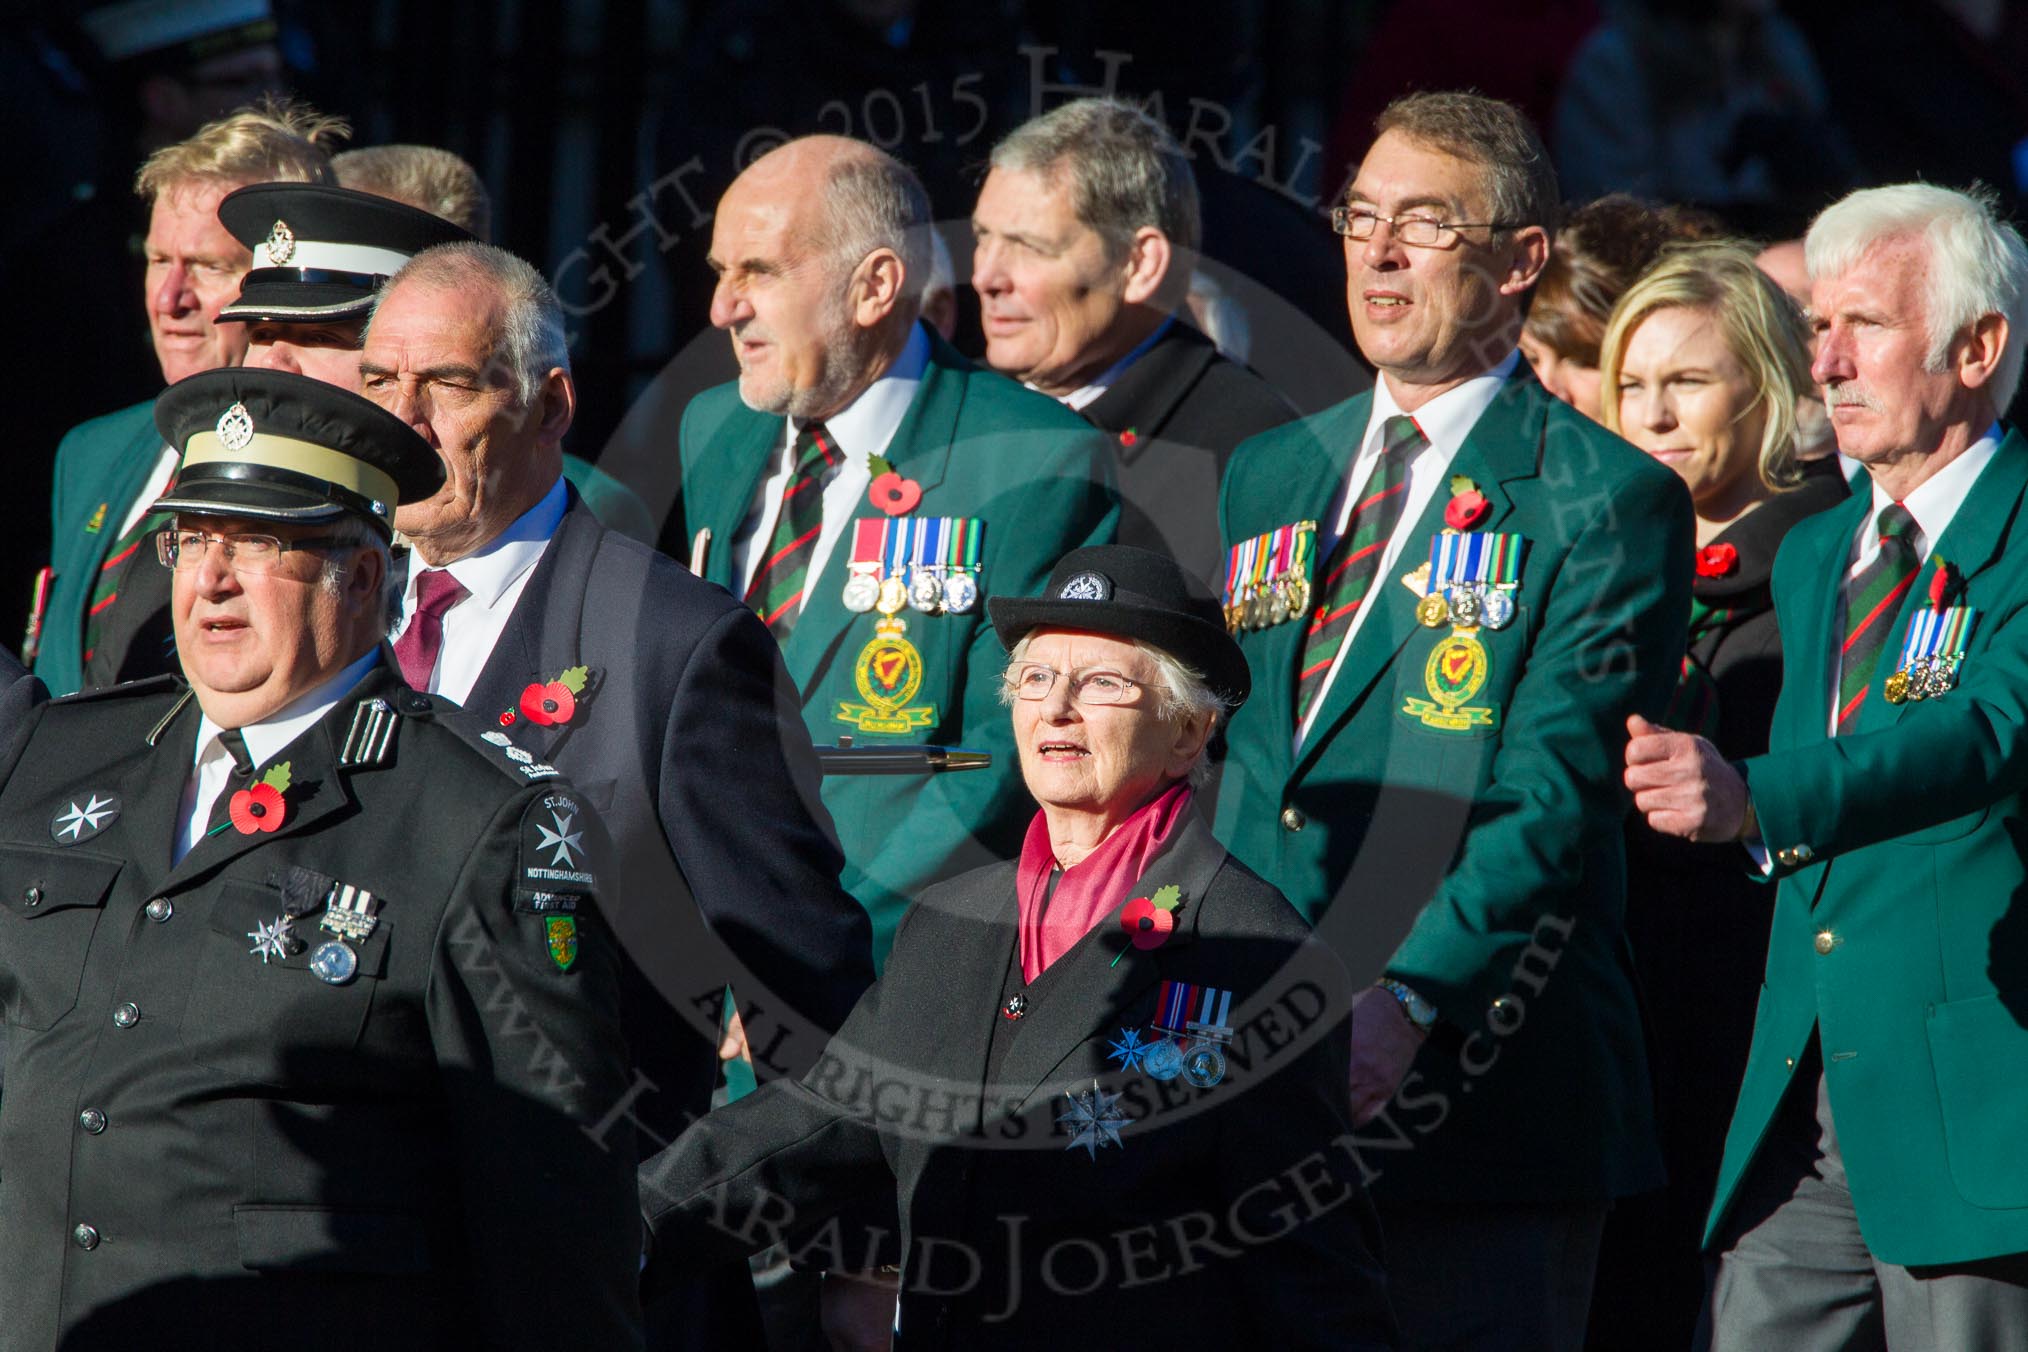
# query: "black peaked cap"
(291, 228)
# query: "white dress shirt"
(158, 481)
(863, 428)
(211, 765)
(1445, 422)
(493, 577)
(1084, 396)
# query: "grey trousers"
(1491, 1278)
(1793, 1272)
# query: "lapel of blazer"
(542, 636)
(1503, 446)
(1148, 392)
(1822, 548)
(151, 789)
(130, 474)
(1971, 543)
(316, 788)
(1336, 434)
(920, 450)
(1091, 992)
(719, 486)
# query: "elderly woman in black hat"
(1103, 1085)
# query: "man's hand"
(1384, 1044)
(857, 1310)
(1682, 785)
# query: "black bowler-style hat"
(321, 252)
(1132, 593)
(276, 446)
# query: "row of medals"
(335, 962)
(1924, 678)
(1263, 604)
(929, 590)
(1201, 1064)
(1467, 605)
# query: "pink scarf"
(1093, 888)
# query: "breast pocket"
(258, 1009)
(50, 904)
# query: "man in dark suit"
(862, 485)
(101, 613)
(1873, 1191)
(657, 693)
(1086, 234)
(1453, 591)
(310, 1001)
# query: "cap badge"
(1087, 587)
(281, 244)
(235, 428)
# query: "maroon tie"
(436, 591)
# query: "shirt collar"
(1449, 418)
(865, 426)
(1089, 394)
(1936, 500)
(271, 734)
(487, 572)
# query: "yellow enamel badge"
(562, 941)
(98, 521)
(1456, 671)
(888, 673)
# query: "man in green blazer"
(107, 468)
(1429, 767)
(1874, 1190)
(864, 487)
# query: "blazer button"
(1292, 819)
(1786, 858)
(1791, 1060)
(85, 1237)
(1826, 941)
(92, 1120)
(160, 909)
(32, 897)
(1804, 854)
(127, 1015)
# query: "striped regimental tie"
(776, 592)
(1355, 563)
(1871, 602)
(106, 588)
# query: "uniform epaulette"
(369, 739)
(149, 686)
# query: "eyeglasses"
(184, 549)
(1418, 232)
(1088, 685)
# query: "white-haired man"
(1086, 233)
(1874, 1191)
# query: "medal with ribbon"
(1931, 653)
(1472, 579)
(862, 572)
(1267, 577)
(963, 536)
(350, 917)
(926, 563)
(1192, 1025)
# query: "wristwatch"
(1421, 1013)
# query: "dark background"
(605, 131)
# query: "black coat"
(262, 1158)
(1699, 929)
(1223, 1216)
(688, 742)
(1175, 416)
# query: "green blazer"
(981, 446)
(101, 467)
(1484, 867)
(1900, 926)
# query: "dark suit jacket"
(1175, 416)
(931, 1095)
(247, 1142)
(1480, 862)
(688, 744)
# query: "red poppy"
(1130, 438)
(1717, 560)
(1941, 584)
(894, 495)
(259, 808)
(548, 703)
(1466, 510)
(1146, 924)
(506, 718)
